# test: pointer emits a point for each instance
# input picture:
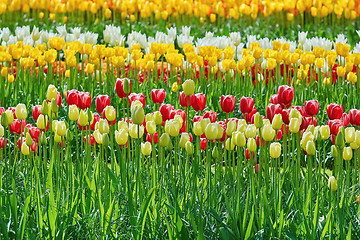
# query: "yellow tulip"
(275, 150)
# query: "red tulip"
(246, 105)
(210, 114)
(354, 116)
(301, 109)
(257, 168)
(305, 122)
(84, 100)
(119, 87)
(198, 101)
(58, 99)
(227, 103)
(274, 99)
(96, 119)
(150, 138)
(311, 107)
(165, 110)
(250, 115)
(285, 116)
(183, 99)
(36, 112)
(104, 117)
(2, 110)
(102, 101)
(34, 133)
(223, 125)
(334, 126)
(258, 141)
(13, 111)
(133, 97)
(158, 96)
(197, 118)
(345, 118)
(15, 127)
(72, 97)
(92, 139)
(285, 96)
(273, 109)
(334, 111)
(203, 143)
(3, 143)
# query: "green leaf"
(326, 228)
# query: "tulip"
(189, 87)
(197, 129)
(345, 119)
(246, 105)
(324, 132)
(273, 109)
(210, 115)
(198, 101)
(211, 131)
(83, 118)
(40, 123)
(227, 103)
(150, 127)
(250, 131)
(251, 144)
(72, 97)
(357, 137)
(310, 148)
(230, 127)
(7, 118)
(185, 101)
(204, 122)
(350, 134)
(60, 128)
(334, 126)
(84, 100)
(21, 112)
(99, 137)
(157, 117)
(121, 137)
(73, 113)
(51, 92)
(275, 150)
(1, 131)
(189, 148)
(332, 184)
(239, 139)
(165, 110)
(103, 126)
(354, 146)
(229, 144)
(203, 143)
(285, 96)
(183, 139)
(146, 148)
(158, 96)
(110, 113)
(172, 127)
(137, 115)
(164, 140)
(334, 111)
(294, 125)
(295, 113)
(25, 149)
(268, 133)
(354, 116)
(102, 101)
(133, 131)
(347, 153)
(36, 112)
(133, 97)
(277, 122)
(123, 87)
(258, 121)
(220, 133)
(274, 99)
(311, 107)
(339, 139)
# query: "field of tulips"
(177, 132)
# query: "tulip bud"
(134, 133)
(354, 146)
(347, 153)
(239, 139)
(251, 144)
(258, 121)
(4, 120)
(334, 151)
(1, 131)
(121, 137)
(204, 122)
(268, 133)
(197, 130)
(294, 125)
(215, 153)
(275, 150)
(250, 131)
(277, 122)
(51, 92)
(324, 132)
(106, 140)
(21, 112)
(83, 118)
(60, 128)
(332, 184)
(126, 86)
(310, 148)
(164, 140)
(110, 113)
(211, 131)
(189, 148)
(146, 148)
(69, 135)
(189, 87)
(42, 122)
(28, 139)
(73, 113)
(45, 108)
(25, 149)
(137, 115)
(183, 139)
(54, 106)
(229, 144)
(57, 138)
(151, 127)
(42, 139)
(339, 139)
(230, 128)
(350, 134)
(157, 118)
(90, 116)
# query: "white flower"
(325, 68)
(185, 31)
(171, 34)
(235, 38)
(302, 37)
(62, 31)
(265, 43)
(307, 46)
(28, 41)
(250, 39)
(35, 34)
(357, 48)
(12, 40)
(44, 36)
(182, 39)
(5, 34)
(76, 31)
(209, 35)
(22, 32)
(341, 38)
